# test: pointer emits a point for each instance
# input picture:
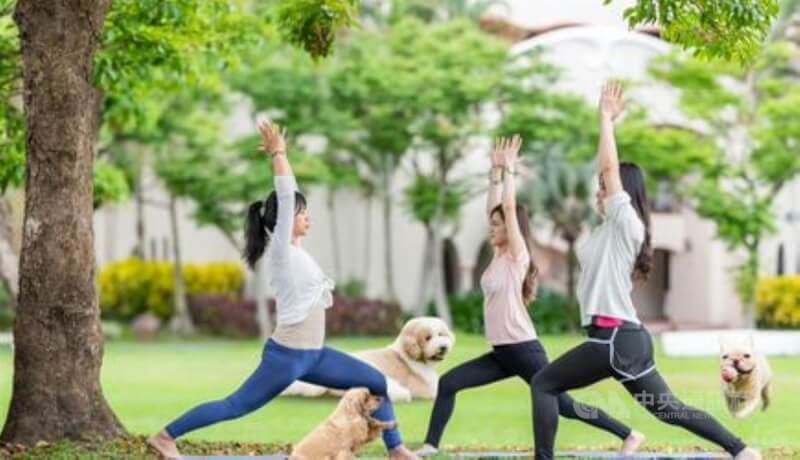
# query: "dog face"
(737, 360)
(360, 401)
(427, 339)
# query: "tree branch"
(232, 240)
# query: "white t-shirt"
(295, 277)
(607, 259)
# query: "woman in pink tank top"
(509, 285)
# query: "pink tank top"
(505, 314)
(606, 321)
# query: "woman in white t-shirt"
(275, 231)
(617, 252)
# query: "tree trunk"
(337, 259)
(232, 240)
(9, 261)
(439, 285)
(58, 342)
(572, 265)
(426, 282)
(748, 284)
(141, 238)
(181, 319)
(388, 184)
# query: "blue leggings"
(280, 366)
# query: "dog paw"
(400, 395)
(383, 425)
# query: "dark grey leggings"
(523, 360)
(626, 355)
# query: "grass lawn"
(149, 384)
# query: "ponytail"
(530, 283)
(255, 235)
(262, 216)
(633, 182)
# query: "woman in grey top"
(616, 253)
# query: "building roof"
(514, 33)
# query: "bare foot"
(748, 454)
(401, 452)
(164, 445)
(426, 450)
(632, 443)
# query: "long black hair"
(634, 184)
(530, 282)
(262, 217)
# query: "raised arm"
(274, 144)
(611, 106)
(494, 194)
(510, 151)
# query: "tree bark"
(439, 285)
(426, 283)
(231, 239)
(56, 391)
(572, 265)
(141, 242)
(9, 260)
(750, 280)
(181, 318)
(571, 268)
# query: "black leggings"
(626, 355)
(522, 359)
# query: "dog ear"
(364, 403)
(357, 399)
(728, 343)
(410, 341)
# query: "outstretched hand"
(273, 138)
(611, 101)
(506, 151)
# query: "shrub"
(352, 288)
(134, 286)
(467, 312)
(360, 316)
(224, 315)
(549, 312)
(778, 302)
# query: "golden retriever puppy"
(349, 428)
